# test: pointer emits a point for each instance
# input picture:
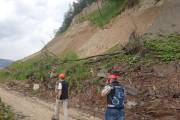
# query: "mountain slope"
(168, 20)
(148, 17)
(4, 63)
(150, 64)
(86, 39)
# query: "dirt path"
(35, 109)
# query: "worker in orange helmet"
(61, 97)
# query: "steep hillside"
(4, 63)
(149, 16)
(153, 74)
(142, 46)
(168, 20)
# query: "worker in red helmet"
(61, 97)
(111, 77)
(115, 98)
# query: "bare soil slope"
(168, 20)
(85, 39)
(148, 17)
(118, 32)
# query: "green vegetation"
(75, 71)
(36, 67)
(68, 55)
(39, 67)
(5, 112)
(160, 49)
(109, 9)
(22, 70)
(164, 48)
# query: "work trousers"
(64, 103)
(114, 114)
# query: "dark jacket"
(64, 94)
(112, 92)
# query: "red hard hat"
(61, 76)
(111, 78)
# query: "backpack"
(117, 99)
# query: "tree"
(74, 9)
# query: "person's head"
(111, 78)
(61, 76)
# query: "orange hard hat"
(61, 76)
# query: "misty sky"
(25, 23)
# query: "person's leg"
(121, 115)
(65, 107)
(56, 110)
(108, 114)
(114, 114)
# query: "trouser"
(57, 109)
(114, 114)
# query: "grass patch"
(109, 9)
(164, 48)
(75, 71)
(5, 112)
(161, 49)
(38, 68)
(68, 55)
(22, 70)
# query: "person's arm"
(59, 90)
(106, 90)
(59, 94)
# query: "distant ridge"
(4, 63)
